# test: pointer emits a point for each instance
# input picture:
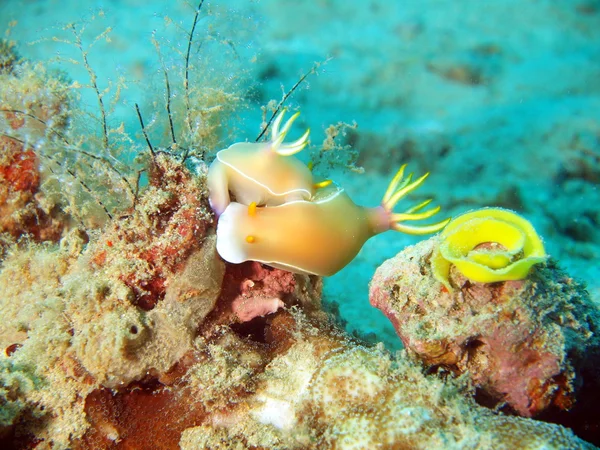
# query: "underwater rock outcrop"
(526, 344)
(88, 364)
(31, 100)
(110, 308)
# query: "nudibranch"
(318, 236)
(488, 245)
(265, 173)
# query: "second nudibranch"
(265, 173)
(320, 236)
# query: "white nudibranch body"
(316, 237)
(265, 173)
(280, 218)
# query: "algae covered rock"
(190, 374)
(324, 391)
(529, 344)
(16, 382)
(8, 55)
(34, 103)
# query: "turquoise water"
(499, 100)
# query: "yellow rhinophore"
(488, 245)
(319, 236)
(266, 173)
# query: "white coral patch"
(278, 413)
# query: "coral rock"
(147, 247)
(248, 308)
(20, 209)
(30, 100)
(95, 371)
(252, 290)
(520, 342)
